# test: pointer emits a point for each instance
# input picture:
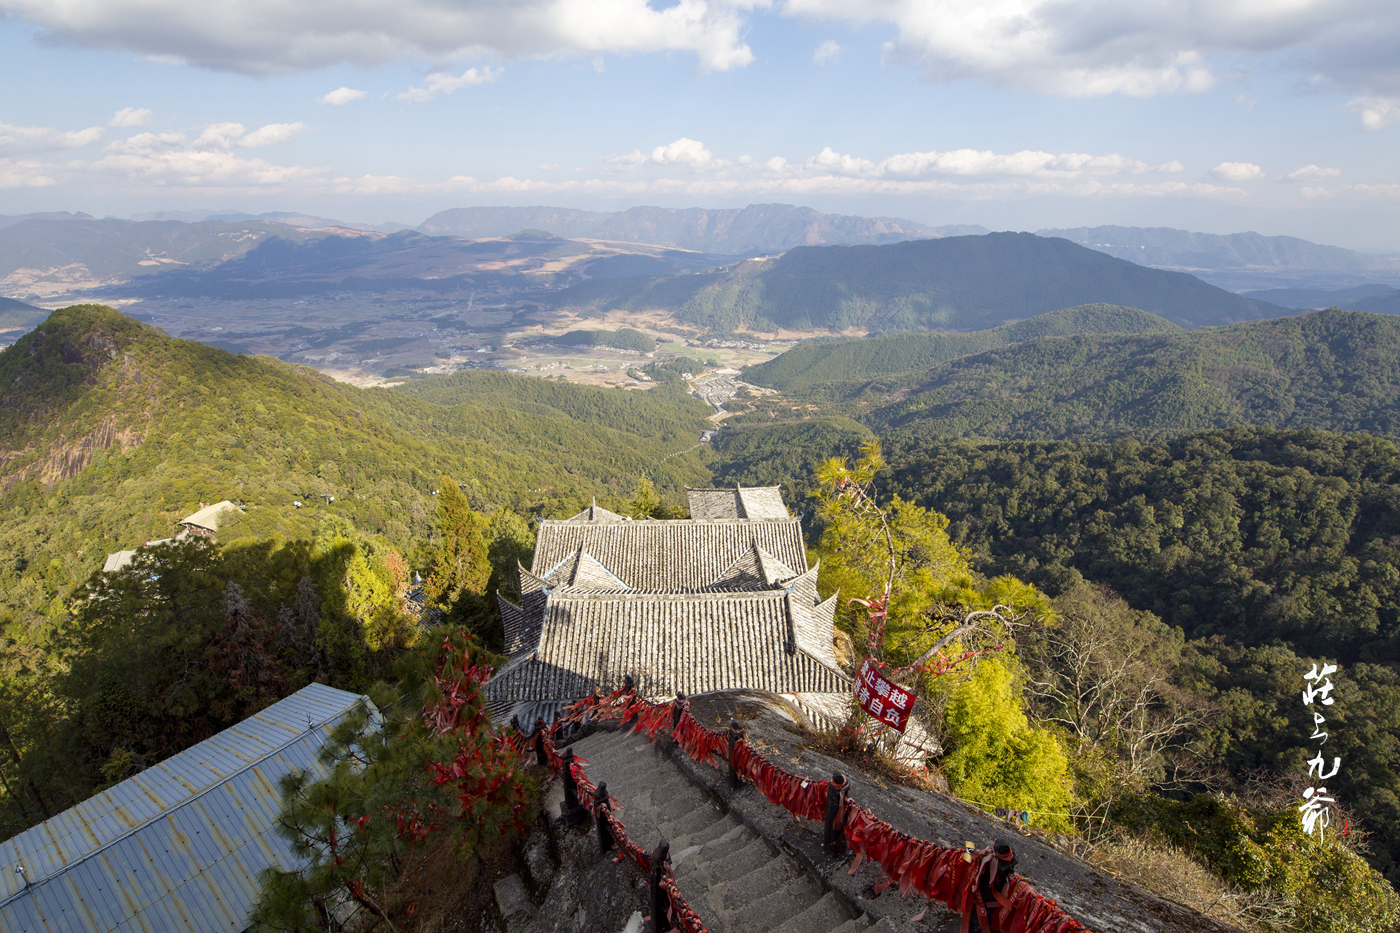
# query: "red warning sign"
(884, 700)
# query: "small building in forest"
(178, 846)
(723, 600)
(205, 523)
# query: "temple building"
(723, 600)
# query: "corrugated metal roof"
(178, 846)
(211, 516)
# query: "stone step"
(737, 865)
(696, 852)
(768, 911)
(695, 820)
(766, 880)
(827, 914)
(858, 925)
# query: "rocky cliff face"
(49, 368)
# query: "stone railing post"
(601, 807)
(572, 812)
(541, 757)
(660, 901)
(736, 735)
(833, 839)
(677, 707)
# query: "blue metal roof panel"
(178, 846)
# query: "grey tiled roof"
(180, 845)
(677, 556)
(595, 513)
(695, 643)
(754, 503)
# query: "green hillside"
(953, 283)
(1335, 370)
(110, 432)
(625, 339)
(1271, 548)
(811, 365)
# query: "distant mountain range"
(291, 218)
(949, 284)
(841, 366)
(1334, 370)
(1237, 261)
(796, 269)
(17, 317)
(756, 229)
(45, 255)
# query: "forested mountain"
(843, 362)
(111, 432)
(19, 315)
(954, 283)
(1315, 299)
(1267, 549)
(1271, 547)
(1336, 370)
(1182, 249)
(758, 228)
(1388, 303)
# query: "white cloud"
(130, 116)
(1237, 171)
(146, 143)
(340, 97)
(1376, 112)
(1137, 49)
(442, 83)
(219, 136)
(982, 162)
(1042, 46)
(272, 134)
(257, 37)
(17, 140)
(1311, 173)
(827, 52)
(23, 175)
(194, 168)
(683, 151)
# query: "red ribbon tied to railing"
(940, 873)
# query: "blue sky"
(1281, 116)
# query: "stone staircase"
(733, 878)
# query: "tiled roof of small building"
(694, 643)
